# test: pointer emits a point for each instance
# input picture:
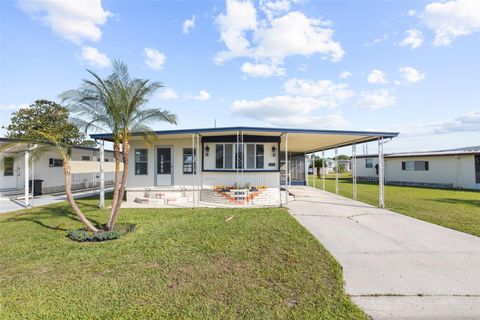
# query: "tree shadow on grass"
(40, 217)
(468, 202)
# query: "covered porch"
(234, 166)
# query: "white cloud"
(155, 59)
(411, 74)
(239, 18)
(188, 25)
(374, 100)
(94, 57)
(168, 94)
(275, 38)
(13, 107)
(469, 122)
(451, 19)
(274, 8)
(377, 76)
(73, 20)
(411, 13)
(287, 111)
(326, 89)
(345, 74)
(308, 121)
(295, 34)
(262, 70)
(202, 96)
(414, 39)
(278, 106)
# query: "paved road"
(8, 205)
(395, 267)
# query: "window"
(8, 166)
(55, 162)
(164, 161)
(85, 158)
(260, 156)
(415, 165)
(248, 156)
(219, 156)
(188, 161)
(229, 156)
(368, 163)
(141, 161)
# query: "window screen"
(8, 166)
(260, 156)
(141, 161)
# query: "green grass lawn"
(180, 263)
(456, 209)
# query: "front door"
(164, 166)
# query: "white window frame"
(245, 156)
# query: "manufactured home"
(48, 169)
(453, 168)
(234, 165)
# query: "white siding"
(270, 179)
(53, 176)
(457, 171)
(363, 171)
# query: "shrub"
(78, 235)
(82, 235)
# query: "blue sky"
(408, 66)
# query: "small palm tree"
(116, 104)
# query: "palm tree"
(116, 104)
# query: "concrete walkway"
(395, 267)
(12, 204)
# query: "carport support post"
(286, 168)
(27, 173)
(314, 171)
(102, 175)
(354, 171)
(306, 168)
(193, 169)
(197, 167)
(324, 171)
(336, 170)
(381, 182)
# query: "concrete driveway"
(395, 267)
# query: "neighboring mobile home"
(49, 168)
(231, 165)
(454, 168)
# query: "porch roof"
(299, 140)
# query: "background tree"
(117, 104)
(43, 116)
(319, 163)
(343, 157)
(45, 123)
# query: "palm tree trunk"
(121, 192)
(116, 154)
(68, 190)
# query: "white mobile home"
(454, 168)
(49, 168)
(213, 164)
